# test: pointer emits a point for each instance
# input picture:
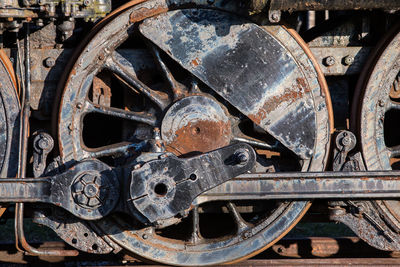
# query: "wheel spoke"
(392, 105)
(120, 113)
(115, 149)
(121, 67)
(241, 224)
(169, 78)
(394, 151)
(196, 235)
(257, 143)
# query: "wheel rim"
(147, 243)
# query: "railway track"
(309, 251)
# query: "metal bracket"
(163, 188)
(345, 142)
(42, 145)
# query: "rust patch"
(144, 12)
(196, 62)
(200, 136)
(102, 90)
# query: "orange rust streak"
(143, 13)
(196, 62)
(321, 77)
(289, 96)
(9, 67)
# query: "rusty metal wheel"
(9, 118)
(378, 120)
(123, 88)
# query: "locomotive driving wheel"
(378, 119)
(125, 92)
(9, 118)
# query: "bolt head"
(275, 17)
(329, 61)
(346, 141)
(246, 235)
(43, 143)
(242, 157)
(348, 60)
(91, 190)
(49, 62)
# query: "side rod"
(286, 185)
(323, 185)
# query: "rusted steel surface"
(196, 124)
(333, 185)
(295, 5)
(158, 93)
(211, 47)
(336, 61)
(290, 250)
(147, 242)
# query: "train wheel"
(122, 88)
(378, 119)
(9, 118)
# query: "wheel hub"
(196, 124)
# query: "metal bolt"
(49, 62)
(145, 236)
(79, 105)
(43, 143)
(246, 235)
(242, 157)
(91, 190)
(275, 17)
(329, 61)
(39, 23)
(101, 57)
(338, 211)
(346, 141)
(381, 103)
(86, 2)
(348, 60)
